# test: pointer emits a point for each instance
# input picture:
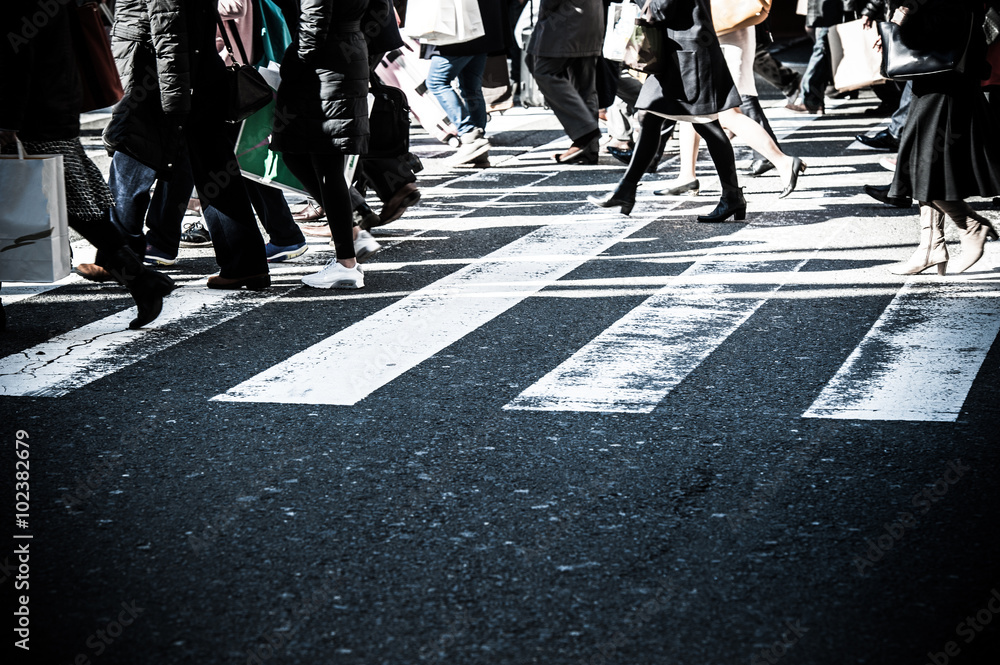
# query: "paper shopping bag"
(34, 233)
(856, 63)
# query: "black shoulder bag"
(903, 63)
(247, 92)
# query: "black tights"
(323, 177)
(715, 137)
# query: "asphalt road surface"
(542, 433)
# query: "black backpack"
(390, 121)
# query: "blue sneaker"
(276, 254)
(157, 257)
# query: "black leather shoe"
(882, 194)
(759, 167)
(623, 155)
(881, 141)
(623, 197)
(688, 189)
(732, 204)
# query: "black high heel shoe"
(580, 156)
(688, 189)
(798, 166)
(623, 197)
(732, 204)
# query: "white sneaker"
(336, 276)
(474, 145)
(365, 245)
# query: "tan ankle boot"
(932, 250)
(974, 231)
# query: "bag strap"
(229, 46)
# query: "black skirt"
(950, 147)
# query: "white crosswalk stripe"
(920, 358)
(91, 352)
(403, 335)
(632, 366)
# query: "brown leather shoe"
(394, 208)
(253, 282)
(310, 213)
(804, 108)
(94, 272)
(319, 230)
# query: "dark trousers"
(323, 177)
(570, 89)
(130, 183)
(163, 211)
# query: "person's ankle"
(348, 263)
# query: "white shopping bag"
(621, 23)
(34, 233)
(855, 61)
(442, 22)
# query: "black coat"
(379, 26)
(40, 94)
(169, 67)
(568, 29)
(322, 102)
(498, 33)
(698, 81)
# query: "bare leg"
(758, 139)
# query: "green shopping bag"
(274, 32)
(256, 159)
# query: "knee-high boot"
(974, 231)
(932, 250)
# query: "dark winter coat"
(498, 34)
(379, 26)
(169, 67)
(698, 81)
(40, 94)
(568, 29)
(322, 102)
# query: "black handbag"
(246, 90)
(903, 63)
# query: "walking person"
(739, 47)
(696, 88)
(174, 84)
(822, 15)
(466, 62)
(941, 174)
(323, 94)
(563, 51)
(40, 107)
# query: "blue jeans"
(819, 71)
(130, 182)
(468, 111)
